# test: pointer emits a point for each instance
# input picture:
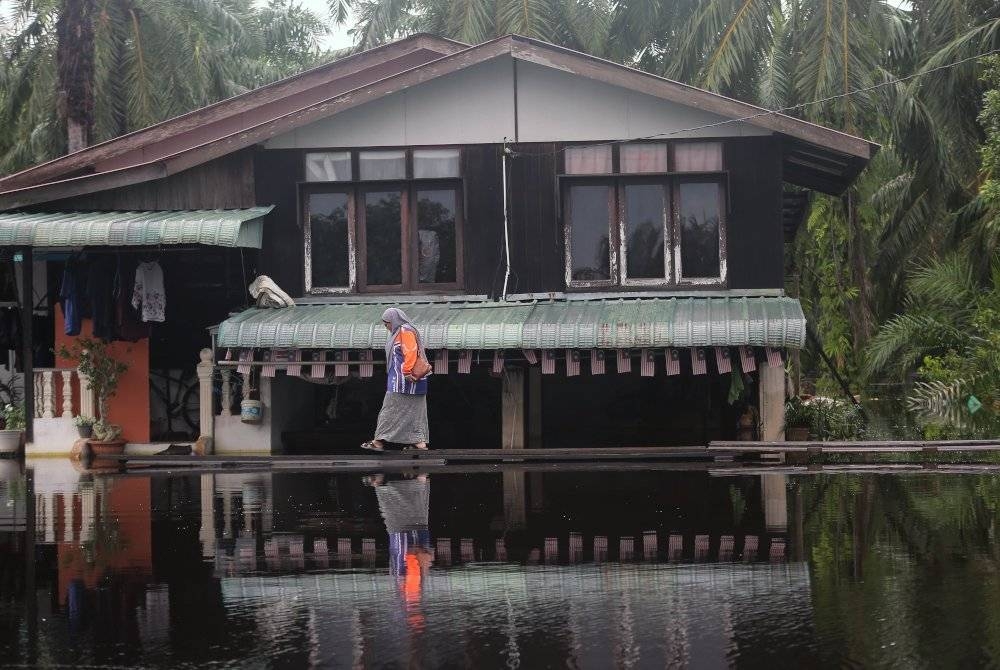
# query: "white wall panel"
(476, 106)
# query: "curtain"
(644, 158)
(435, 163)
(382, 164)
(328, 166)
(588, 160)
(698, 157)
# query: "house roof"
(213, 227)
(550, 324)
(814, 156)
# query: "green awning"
(215, 227)
(558, 324)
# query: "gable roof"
(814, 156)
(240, 111)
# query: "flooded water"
(505, 568)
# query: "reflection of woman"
(403, 419)
(404, 505)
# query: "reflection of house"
(663, 616)
(494, 192)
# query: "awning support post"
(27, 338)
(206, 409)
(772, 403)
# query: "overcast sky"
(338, 37)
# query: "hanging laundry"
(100, 296)
(149, 295)
(71, 295)
(128, 327)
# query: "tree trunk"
(861, 307)
(75, 66)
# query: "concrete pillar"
(207, 532)
(512, 409)
(88, 513)
(772, 404)
(775, 502)
(206, 368)
(88, 406)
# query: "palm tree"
(76, 71)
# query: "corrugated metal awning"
(563, 324)
(215, 227)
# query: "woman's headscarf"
(396, 318)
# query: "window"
(328, 166)
(645, 224)
(397, 227)
(328, 240)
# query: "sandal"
(371, 446)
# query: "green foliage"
(102, 370)
(152, 60)
(13, 417)
(826, 418)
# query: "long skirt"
(403, 419)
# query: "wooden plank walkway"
(434, 456)
(862, 447)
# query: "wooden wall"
(226, 182)
(278, 171)
(754, 242)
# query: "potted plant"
(84, 425)
(798, 418)
(103, 371)
(11, 428)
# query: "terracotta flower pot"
(102, 449)
(10, 441)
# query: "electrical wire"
(765, 112)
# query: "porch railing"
(54, 390)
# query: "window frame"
(668, 262)
(566, 183)
(670, 180)
(675, 203)
(356, 188)
(310, 188)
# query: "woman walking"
(403, 419)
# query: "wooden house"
(594, 254)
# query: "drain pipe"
(506, 230)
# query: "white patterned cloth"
(148, 296)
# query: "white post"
(36, 388)
(207, 532)
(67, 393)
(88, 512)
(47, 392)
(87, 407)
(227, 394)
(205, 370)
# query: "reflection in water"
(517, 568)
